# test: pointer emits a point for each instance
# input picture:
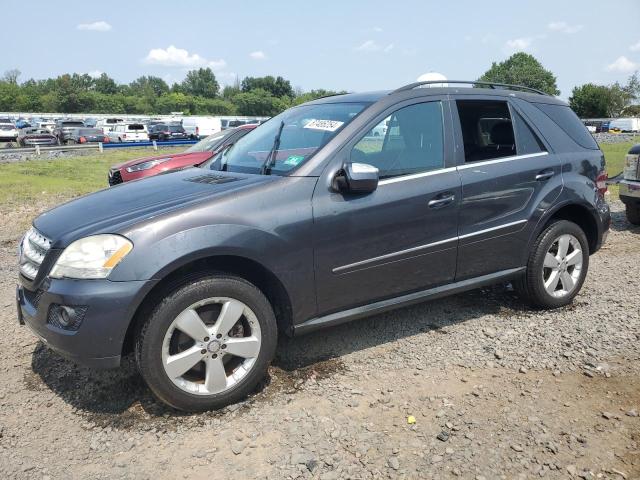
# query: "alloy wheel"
(212, 345)
(562, 266)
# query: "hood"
(113, 209)
(195, 158)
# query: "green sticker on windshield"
(294, 160)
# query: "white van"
(129, 132)
(200, 127)
(625, 125)
(107, 124)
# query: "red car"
(193, 156)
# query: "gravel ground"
(616, 137)
(474, 386)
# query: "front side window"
(301, 131)
(487, 130)
(406, 142)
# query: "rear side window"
(569, 122)
(487, 129)
(528, 141)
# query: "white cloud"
(377, 29)
(564, 27)
(179, 57)
(635, 47)
(258, 55)
(622, 65)
(371, 46)
(100, 26)
(518, 44)
(94, 73)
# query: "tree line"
(200, 93)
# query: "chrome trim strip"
(393, 254)
(423, 247)
(501, 160)
(402, 178)
(487, 230)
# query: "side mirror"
(356, 178)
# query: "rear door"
(403, 236)
(509, 177)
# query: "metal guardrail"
(38, 150)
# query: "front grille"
(33, 297)
(115, 177)
(33, 249)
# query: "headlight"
(146, 165)
(91, 257)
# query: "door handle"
(545, 175)
(441, 201)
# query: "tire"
(159, 340)
(531, 286)
(633, 213)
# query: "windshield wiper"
(271, 156)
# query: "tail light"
(105, 140)
(197, 130)
(124, 135)
(82, 140)
(601, 182)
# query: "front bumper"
(110, 307)
(630, 192)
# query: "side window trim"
(515, 107)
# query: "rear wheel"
(633, 213)
(557, 266)
(207, 344)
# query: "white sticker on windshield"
(328, 125)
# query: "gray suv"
(312, 220)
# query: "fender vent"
(212, 179)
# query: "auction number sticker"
(327, 125)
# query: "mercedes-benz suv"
(312, 220)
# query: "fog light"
(66, 317)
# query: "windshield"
(306, 129)
(208, 144)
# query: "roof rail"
(492, 85)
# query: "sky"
(352, 45)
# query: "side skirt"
(392, 303)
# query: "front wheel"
(207, 344)
(557, 266)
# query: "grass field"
(64, 178)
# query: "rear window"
(72, 124)
(135, 126)
(91, 131)
(176, 128)
(569, 122)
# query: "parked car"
(309, 222)
(201, 127)
(46, 124)
(630, 185)
(87, 135)
(163, 132)
(63, 127)
(195, 155)
(625, 125)
(8, 130)
(129, 132)
(31, 136)
(106, 124)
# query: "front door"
(403, 236)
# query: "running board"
(403, 301)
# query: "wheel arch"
(578, 213)
(248, 269)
